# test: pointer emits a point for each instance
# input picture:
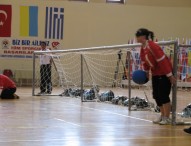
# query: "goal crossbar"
(164, 43)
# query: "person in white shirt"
(45, 71)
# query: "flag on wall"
(54, 23)
(5, 20)
(184, 71)
(29, 21)
(189, 63)
(184, 63)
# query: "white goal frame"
(116, 47)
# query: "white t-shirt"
(45, 58)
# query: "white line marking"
(100, 139)
(114, 113)
(120, 114)
(68, 122)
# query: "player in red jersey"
(8, 88)
(154, 59)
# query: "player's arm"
(146, 68)
(161, 59)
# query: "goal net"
(92, 69)
(104, 74)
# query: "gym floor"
(65, 121)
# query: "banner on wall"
(15, 48)
(54, 24)
(28, 21)
(5, 20)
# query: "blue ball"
(140, 77)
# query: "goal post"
(99, 68)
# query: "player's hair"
(145, 32)
(41, 43)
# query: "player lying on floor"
(8, 88)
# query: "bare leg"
(157, 121)
(167, 109)
(162, 111)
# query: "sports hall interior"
(53, 120)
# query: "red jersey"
(6, 82)
(153, 57)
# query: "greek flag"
(54, 25)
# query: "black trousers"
(8, 93)
(161, 89)
(45, 81)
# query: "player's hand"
(172, 79)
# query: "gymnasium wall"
(92, 24)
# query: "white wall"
(98, 23)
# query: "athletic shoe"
(165, 121)
(188, 130)
(157, 121)
(48, 92)
(40, 93)
(16, 96)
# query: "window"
(115, 1)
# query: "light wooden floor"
(61, 121)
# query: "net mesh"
(100, 68)
(105, 77)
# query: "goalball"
(140, 77)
